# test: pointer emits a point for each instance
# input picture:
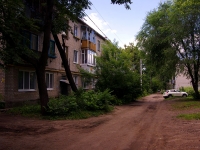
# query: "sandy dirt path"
(148, 124)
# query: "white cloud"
(101, 24)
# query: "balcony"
(89, 45)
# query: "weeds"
(194, 116)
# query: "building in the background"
(19, 83)
(182, 81)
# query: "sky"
(116, 22)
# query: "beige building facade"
(19, 83)
(182, 81)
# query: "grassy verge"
(194, 116)
(187, 104)
(34, 112)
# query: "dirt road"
(148, 124)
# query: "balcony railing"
(88, 44)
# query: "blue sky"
(117, 22)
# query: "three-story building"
(19, 82)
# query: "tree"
(115, 72)
(185, 16)
(159, 57)
(170, 36)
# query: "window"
(26, 81)
(84, 56)
(84, 35)
(66, 53)
(75, 31)
(49, 81)
(98, 45)
(91, 58)
(75, 56)
(93, 83)
(88, 57)
(75, 80)
(84, 84)
(31, 40)
(52, 53)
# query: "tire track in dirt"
(147, 137)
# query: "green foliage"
(92, 100)
(156, 85)
(158, 56)
(188, 104)
(26, 110)
(81, 101)
(34, 111)
(194, 116)
(169, 51)
(115, 72)
(79, 105)
(189, 90)
(125, 2)
(62, 105)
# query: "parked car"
(174, 92)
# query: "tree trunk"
(65, 63)
(41, 65)
(42, 90)
(194, 79)
(195, 87)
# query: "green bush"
(62, 105)
(92, 100)
(81, 101)
(189, 90)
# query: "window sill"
(49, 89)
(91, 65)
(77, 38)
(75, 62)
(26, 90)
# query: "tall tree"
(170, 36)
(157, 49)
(185, 16)
(114, 73)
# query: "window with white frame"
(75, 56)
(75, 31)
(49, 81)
(26, 81)
(91, 58)
(84, 56)
(75, 80)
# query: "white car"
(174, 92)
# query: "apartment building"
(19, 83)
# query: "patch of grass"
(34, 111)
(26, 110)
(182, 105)
(195, 116)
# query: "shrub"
(81, 101)
(189, 90)
(62, 105)
(92, 100)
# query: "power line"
(107, 24)
(96, 25)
